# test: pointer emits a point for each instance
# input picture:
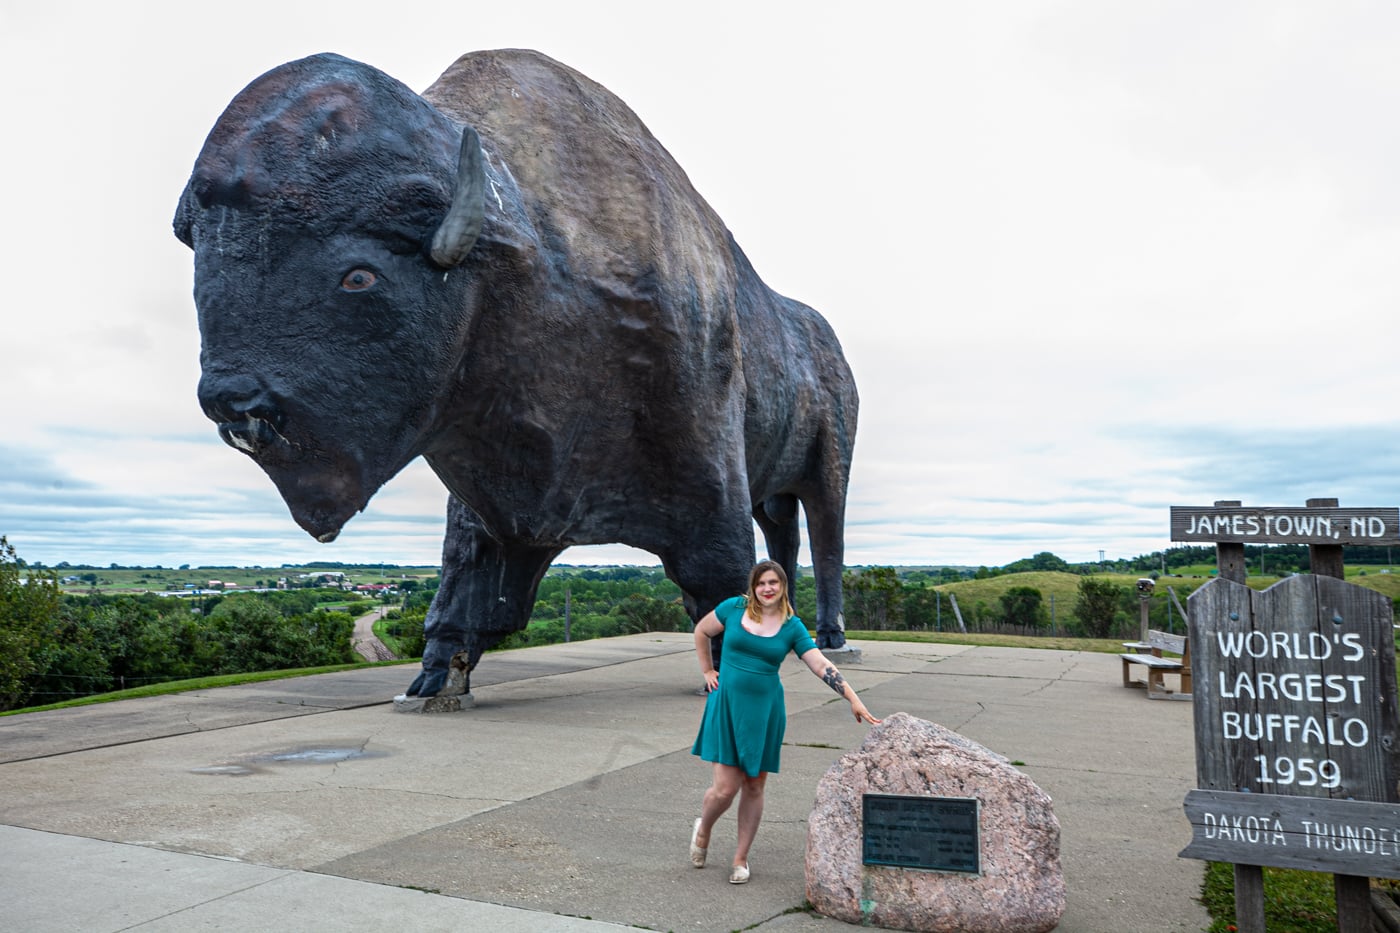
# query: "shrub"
(1096, 605)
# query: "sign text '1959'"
(1291, 694)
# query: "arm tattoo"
(834, 680)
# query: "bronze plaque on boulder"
(931, 833)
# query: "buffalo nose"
(247, 413)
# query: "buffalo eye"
(358, 280)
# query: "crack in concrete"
(981, 708)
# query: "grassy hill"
(1063, 588)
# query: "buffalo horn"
(462, 225)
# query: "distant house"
(375, 588)
(325, 576)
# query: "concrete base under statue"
(439, 704)
(452, 698)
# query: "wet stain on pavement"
(314, 755)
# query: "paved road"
(364, 642)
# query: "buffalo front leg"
(711, 565)
(826, 529)
(487, 592)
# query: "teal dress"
(745, 718)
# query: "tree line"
(882, 599)
(56, 646)
(577, 604)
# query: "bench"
(1148, 653)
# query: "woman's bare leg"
(750, 815)
(723, 788)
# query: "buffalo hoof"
(427, 684)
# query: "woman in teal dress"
(742, 730)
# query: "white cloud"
(1088, 260)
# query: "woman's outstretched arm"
(819, 665)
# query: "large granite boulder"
(1020, 886)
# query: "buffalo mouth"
(323, 489)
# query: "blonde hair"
(759, 570)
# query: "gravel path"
(364, 642)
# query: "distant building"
(325, 576)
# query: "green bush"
(28, 601)
(1096, 606)
(1021, 605)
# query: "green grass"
(1294, 901)
(1064, 587)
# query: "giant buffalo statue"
(509, 276)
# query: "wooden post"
(957, 613)
(1326, 559)
(1229, 555)
(1249, 879)
(1185, 621)
(1249, 898)
(1353, 892)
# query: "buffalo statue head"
(329, 213)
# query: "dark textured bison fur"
(509, 276)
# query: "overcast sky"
(1088, 259)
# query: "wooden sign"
(1295, 726)
(1333, 526)
(1294, 689)
(1353, 837)
(932, 833)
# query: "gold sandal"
(739, 874)
(697, 854)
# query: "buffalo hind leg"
(487, 592)
(826, 530)
(777, 519)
